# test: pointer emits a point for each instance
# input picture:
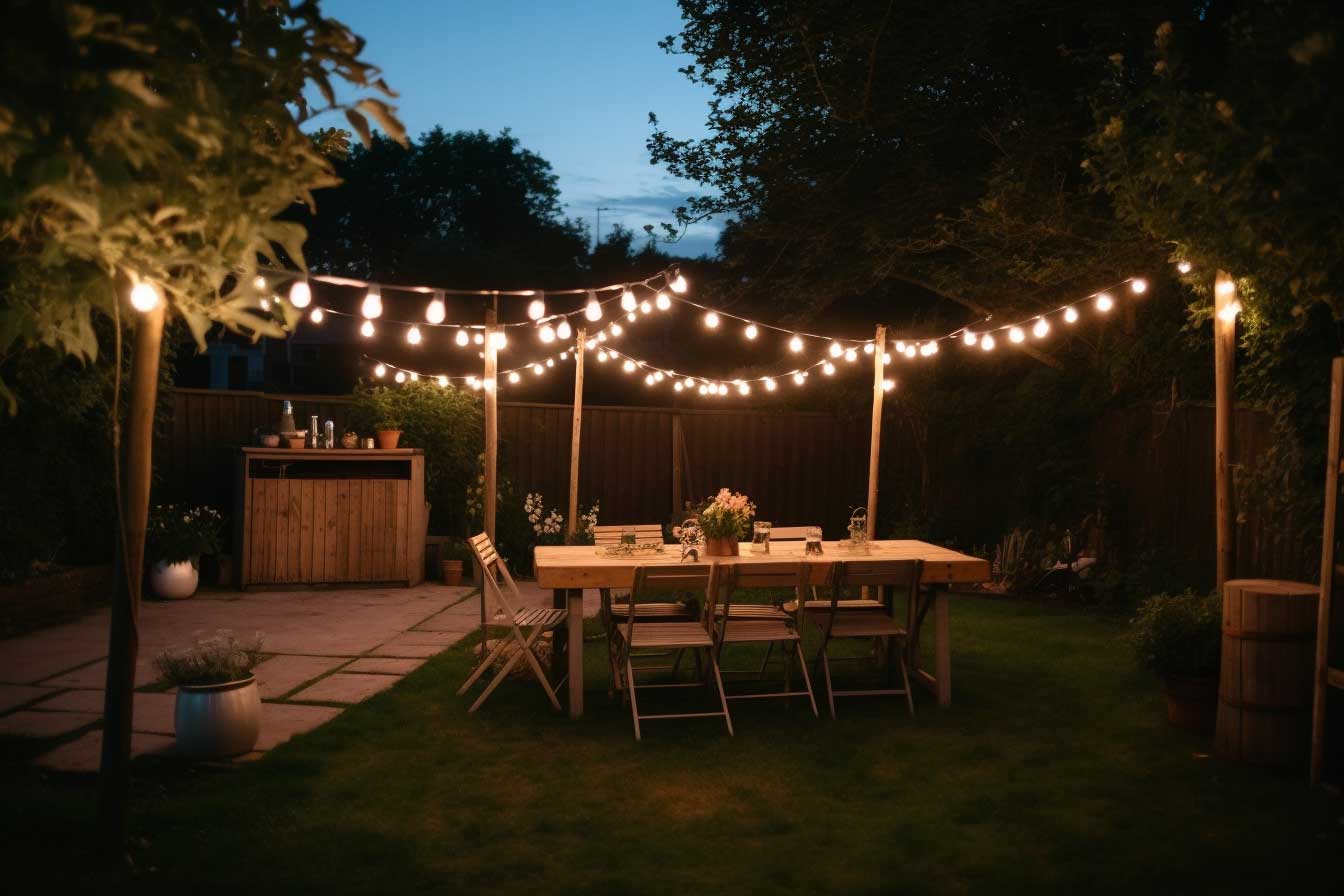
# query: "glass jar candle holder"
(760, 537)
(812, 541)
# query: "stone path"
(328, 650)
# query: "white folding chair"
(525, 626)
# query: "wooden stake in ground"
(580, 348)
(114, 780)
(1224, 377)
(875, 444)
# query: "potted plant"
(218, 709)
(1178, 636)
(388, 431)
(454, 561)
(725, 520)
(175, 539)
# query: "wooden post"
(114, 780)
(580, 349)
(677, 439)
(1327, 587)
(490, 500)
(875, 445)
(1224, 375)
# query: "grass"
(1053, 771)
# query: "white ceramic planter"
(218, 721)
(175, 581)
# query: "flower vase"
(721, 547)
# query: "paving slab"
(345, 687)
(282, 721)
(384, 665)
(153, 712)
(32, 723)
(398, 647)
(94, 676)
(82, 754)
(14, 695)
(451, 623)
(279, 675)
(440, 639)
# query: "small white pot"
(217, 721)
(175, 581)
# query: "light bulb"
(538, 370)
(868, 348)
(678, 283)
(498, 340)
(689, 382)
(1230, 311)
(1016, 335)
(563, 330)
(415, 377)
(602, 337)
(476, 384)
(632, 317)
(1225, 287)
(1138, 286)
(769, 384)
(828, 368)
(723, 388)
(401, 376)
(678, 387)
(648, 379)
(628, 366)
(645, 307)
(1105, 302)
(628, 301)
(513, 376)
(616, 329)
(550, 362)
(888, 385)
(1040, 328)
(380, 370)
(658, 376)
(851, 356)
(969, 338)
(366, 329)
(1071, 315)
(258, 283)
(910, 350)
(145, 297)
(662, 301)
(1184, 267)
(933, 347)
(900, 346)
(799, 378)
(372, 305)
(743, 389)
(987, 342)
(536, 309)
(702, 390)
(413, 335)
(927, 349)
(751, 332)
(317, 315)
(836, 350)
(462, 338)
(593, 310)
(796, 344)
(265, 304)
(435, 311)
(602, 356)
(300, 294)
(712, 319)
(478, 338)
(546, 333)
(443, 380)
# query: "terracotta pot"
(217, 721)
(175, 581)
(1192, 702)
(452, 572)
(720, 547)
(296, 441)
(388, 438)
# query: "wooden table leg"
(941, 681)
(575, 625)
(559, 638)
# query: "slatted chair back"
(789, 533)
(645, 533)
(730, 577)
(493, 570)
(902, 574)
(653, 583)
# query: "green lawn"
(1053, 771)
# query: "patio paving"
(328, 649)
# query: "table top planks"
(580, 566)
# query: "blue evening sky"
(574, 81)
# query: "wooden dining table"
(568, 570)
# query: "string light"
(602, 356)
(751, 332)
(563, 330)
(628, 301)
(617, 329)
(536, 309)
(969, 338)
(1225, 287)
(550, 362)
(546, 333)
(628, 366)
(632, 317)
(678, 387)
(678, 284)
(796, 344)
(264, 303)
(415, 377)
(1105, 302)
(602, 337)
(689, 382)
(401, 377)
(478, 338)
(593, 310)
(366, 329)
(513, 376)
(662, 301)
(1015, 334)
(869, 348)
(1138, 286)
(538, 370)
(372, 305)
(648, 379)
(712, 319)
(851, 356)
(1184, 267)
(145, 297)
(828, 368)
(835, 350)
(258, 283)
(900, 346)
(658, 376)
(886, 357)
(300, 294)
(1040, 329)
(498, 340)
(910, 351)
(645, 307)
(987, 342)
(743, 389)
(435, 311)
(1071, 315)
(380, 370)
(769, 384)
(462, 338)
(316, 315)
(1230, 311)
(413, 335)
(443, 380)
(799, 377)
(888, 385)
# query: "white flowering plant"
(548, 526)
(178, 532)
(585, 524)
(220, 659)
(727, 515)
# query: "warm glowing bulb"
(1016, 335)
(796, 344)
(145, 297)
(836, 350)
(868, 348)
(678, 283)
(498, 340)
(743, 389)
(536, 309)
(602, 356)
(316, 315)
(1230, 311)
(851, 356)
(616, 329)
(443, 380)
(658, 376)
(678, 387)
(987, 342)
(886, 357)
(723, 388)
(900, 346)
(538, 370)
(265, 304)
(593, 310)
(602, 337)
(628, 366)
(689, 382)
(645, 307)
(476, 384)
(910, 350)
(300, 294)
(373, 304)
(662, 301)
(461, 338)
(258, 283)
(415, 377)
(969, 338)
(799, 378)
(513, 376)
(1138, 286)
(366, 329)
(546, 333)
(648, 379)
(563, 330)
(1105, 302)
(888, 385)
(702, 390)
(1184, 267)
(751, 332)
(828, 368)
(632, 317)
(478, 338)
(413, 335)
(1040, 328)
(1225, 287)
(401, 376)
(712, 319)
(380, 370)
(1071, 315)
(628, 301)
(769, 384)
(435, 311)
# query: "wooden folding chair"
(525, 626)
(729, 628)
(815, 604)
(878, 625)
(636, 633)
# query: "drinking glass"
(812, 540)
(760, 537)
(628, 535)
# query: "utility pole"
(597, 230)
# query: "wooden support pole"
(1328, 540)
(576, 431)
(114, 780)
(875, 445)
(1224, 377)
(490, 500)
(677, 439)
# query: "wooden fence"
(800, 467)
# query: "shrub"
(1179, 634)
(218, 660)
(177, 533)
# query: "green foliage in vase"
(1179, 634)
(177, 533)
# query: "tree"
(153, 145)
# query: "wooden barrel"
(1268, 663)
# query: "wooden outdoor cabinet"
(330, 516)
